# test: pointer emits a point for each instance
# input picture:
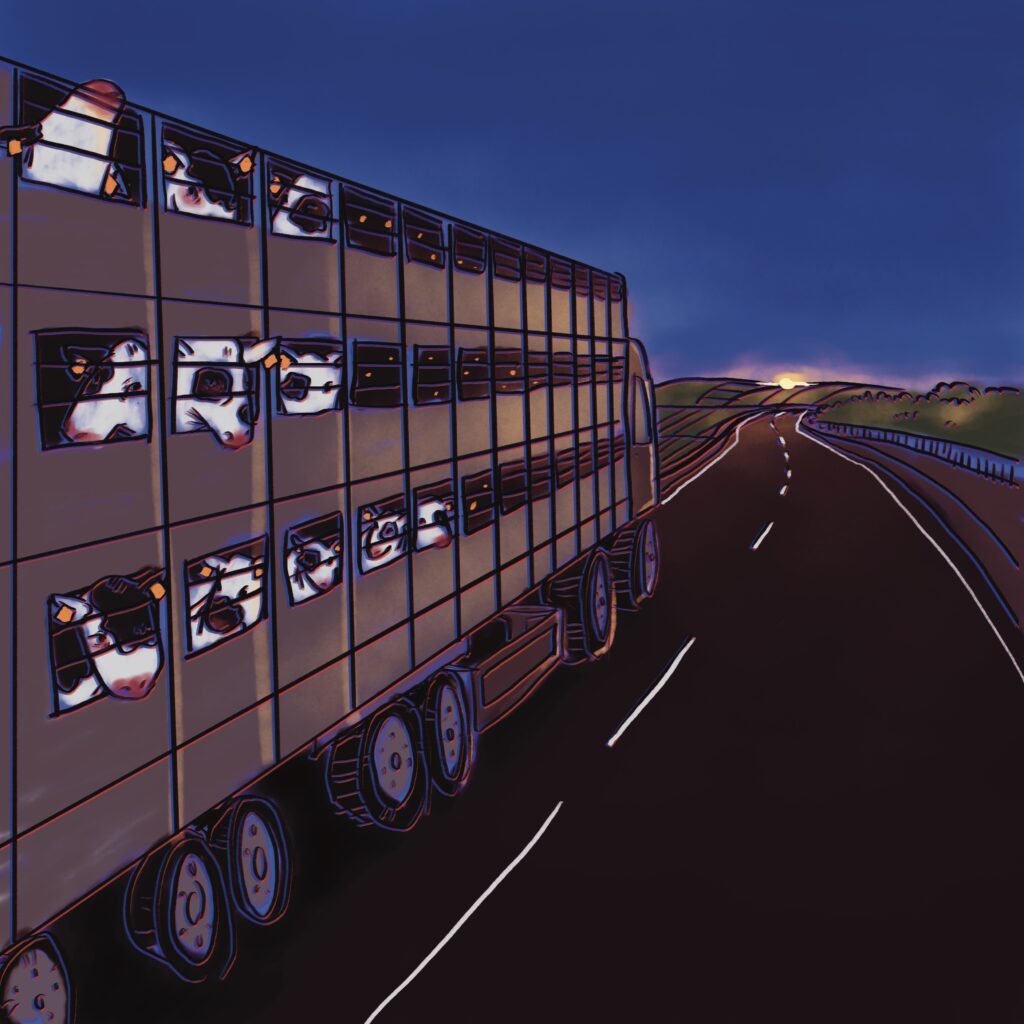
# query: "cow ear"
(66, 608)
(17, 138)
(113, 184)
(83, 353)
(254, 351)
(174, 160)
(243, 163)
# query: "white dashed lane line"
(761, 537)
(782, 492)
(652, 693)
(789, 474)
(466, 916)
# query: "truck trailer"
(290, 468)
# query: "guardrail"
(1000, 468)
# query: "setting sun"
(787, 382)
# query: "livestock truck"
(290, 468)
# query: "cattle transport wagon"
(291, 470)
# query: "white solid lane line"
(761, 537)
(466, 916)
(931, 540)
(717, 458)
(782, 493)
(635, 713)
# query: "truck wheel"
(636, 563)
(586, 596)
(34, 984)
(254, 849)
(448, 734)
(376, 776)
(177, 910)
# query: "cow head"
(225, 597)
(300, 205)
(110, 403)
(313, 558)
(106, 639)
(71, 146)
(203, 183)
(383, 535)
(310, 376)
(216, 387)
(433, 522)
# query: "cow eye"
(295, 387)
(211, 383)
(310, 214)
(96, 375)
(307, 560)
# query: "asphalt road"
(818, 817)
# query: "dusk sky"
(788, 185)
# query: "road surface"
(818, 816)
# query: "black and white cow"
(205, 184)
(215, 387)
(311, 374)
(434, 514)
(71, 146)
(111, 401)
(313, 558)
(384, 529)
(225, 596)
(105, 640)
(383, 534)
(300, 205)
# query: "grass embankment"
(989, 418)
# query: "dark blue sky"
(787, 184)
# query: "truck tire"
(636, 563)
(376, 775)
(586, 595)
(253, 849)
(177, 910)
(448, 734)
(34, 983)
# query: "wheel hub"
(35, 990)
(650, 561)
(259, 863)
(195, 914)
(600, 604)
(394, 759)
(450, 728)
